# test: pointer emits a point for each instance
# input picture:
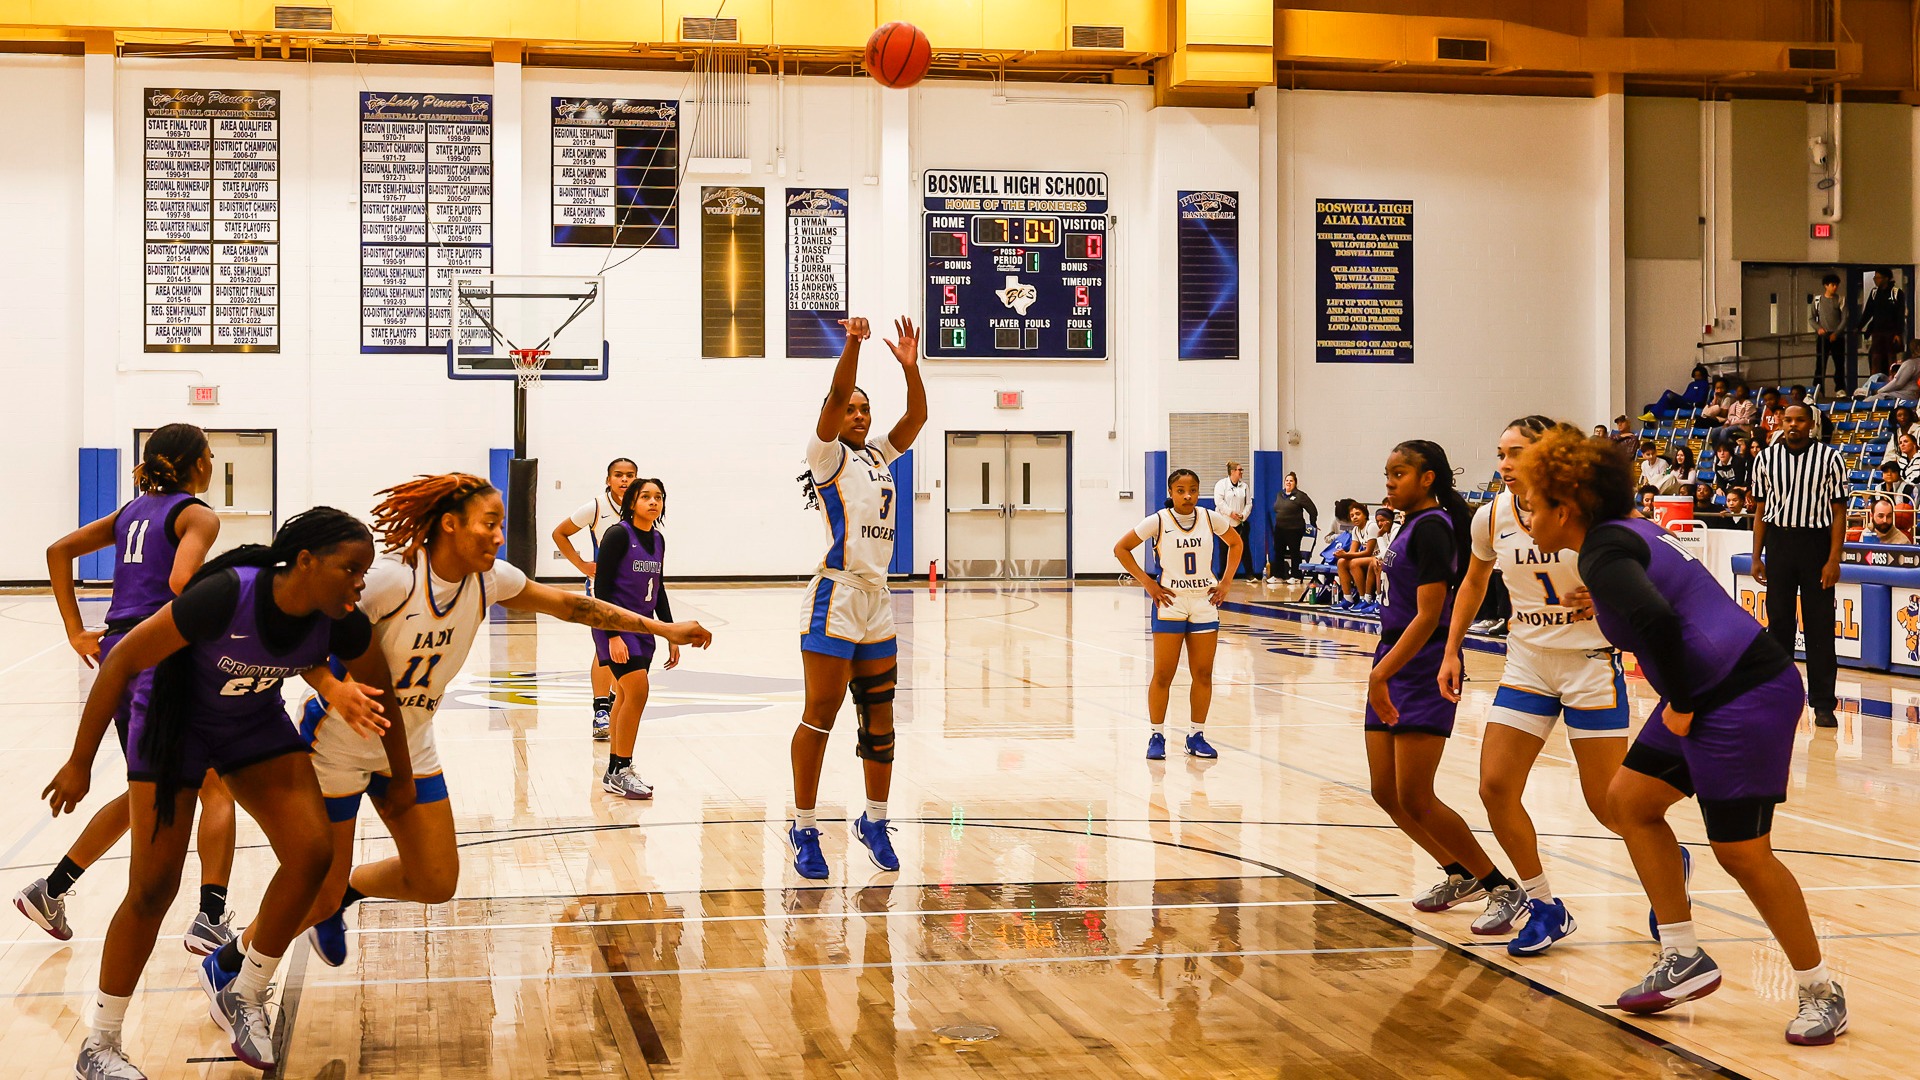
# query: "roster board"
(816, 271)
(1016, 265)
(212, 220)
(426, 213)
(733, 271)
(616, 173)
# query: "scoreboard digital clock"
(1016, 265)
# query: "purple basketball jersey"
(236, 675)
(143, 550)
(1403, 578)
(1716, 628)
(637, 588)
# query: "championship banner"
(816, 271)
(212, 221)
(426, 213)
(1363, 267)
(616, 173)
(1207, 238)
(733, 272)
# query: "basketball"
(898, 54)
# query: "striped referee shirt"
(1800, 489)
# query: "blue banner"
(1363, 266)
(816, 271)
(1208, 242)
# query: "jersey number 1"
(1546, 583)
(1192, 563)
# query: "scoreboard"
(1016, 265)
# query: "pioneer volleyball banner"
(733, 271)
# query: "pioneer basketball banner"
(1363, 267)
(212, 180)
(616, 173)
(816, 271)
(733, 272)
(1207, 238)
(426, 213)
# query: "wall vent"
(293, 17)
(702, 28)
(1813, 59)
(1205, 442)
(1474, 50)
(1098, 37)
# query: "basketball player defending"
(1558, 662)
(595, 517)
(846, 626)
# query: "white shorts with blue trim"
(1192, 612)
(1589, 686)
(349, 764)
(853, 622)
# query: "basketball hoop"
(527, 366)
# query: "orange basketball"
(898, 55)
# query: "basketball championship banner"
(816, 271)
(733, 271)
(616, 173)
(212, 221)
(1207, 238)
(426, 213)
(1363, 269)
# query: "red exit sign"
(203, 395)
(1010, 399)
(1821, 230)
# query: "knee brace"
(868, 691)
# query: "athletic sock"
(352, 897)
(1454, 869)
(213, 902)
(602, 704)
(64, 876)
(876, 811)
(1679, 937)
(1814, 977)
(108, 1014)
(804, 819)
(1537, 887)
(229, 957)
(1496, 880)
(255, 975)
(615, 762)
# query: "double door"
(1008, 507)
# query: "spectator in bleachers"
(1703, 504)
(1903, 419)
(1718, 400)
(1743, 411)
(1686, 471)
(1599, 431)
(1880, 527)
(1769, 413)
(1728, 470)
(1903, 451)
(1656, 471)
(1736, 515)
(1892, 480)
(1648, 493)
(1905, 382)
(1623, 435)
(1830, 338)
(1883, 319)
(1693, 397)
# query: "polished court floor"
(1104, 915)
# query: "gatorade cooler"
(1668, 509)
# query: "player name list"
(426, 213)
(212, 220)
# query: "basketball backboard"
(493, 314)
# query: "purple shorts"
(1740, 750)
(225, 744)
(639, 649)
(138, 688)
(1415, 691)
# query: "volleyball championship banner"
(426, 213)
(616, 173)
(1363, 270)
(733, 272)
(212, 214)
(1207, 238)
(816, 271)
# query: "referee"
(1799, 525)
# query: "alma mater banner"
(1363, 267)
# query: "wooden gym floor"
(1105, 915)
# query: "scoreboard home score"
(1016, 265)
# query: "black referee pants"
(1794, 559)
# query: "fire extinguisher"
(933, 573)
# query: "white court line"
(24, 661)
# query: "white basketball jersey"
(1185, 550)
(857, 498)
(1537, 580)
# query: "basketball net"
(527, 366)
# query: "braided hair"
(163, 740)
(1433, 458)
(633, 495)
(407, 517)
(807, 487)
(168, 459)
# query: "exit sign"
(203, 395)
(1822, 230)
(1010, 399)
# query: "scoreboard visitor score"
(1016, 265)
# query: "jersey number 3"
(886, 502)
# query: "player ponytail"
(163, 739)
(1433, 458)
(168, 459)
(633, 495)
(407, 518)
